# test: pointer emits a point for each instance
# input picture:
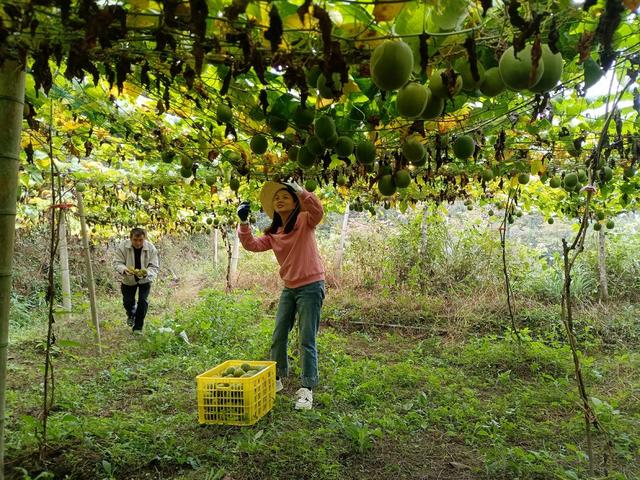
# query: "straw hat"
(269, 190)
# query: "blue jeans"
(307, 302)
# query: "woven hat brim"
(269, 190)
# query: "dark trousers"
(139, 311)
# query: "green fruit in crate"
(229, 371)
(251, 373)
(245, 375)
(245, 366)
(238, 372)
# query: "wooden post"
(12, 79)
(63, 253)
(89, 269)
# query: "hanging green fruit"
(391, 64)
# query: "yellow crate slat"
(236, 400)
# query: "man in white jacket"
(136, 260)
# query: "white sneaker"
(305, 399)
(279, 385)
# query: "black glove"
(243, 211)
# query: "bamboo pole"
(215, 246)
(234, 257)
(12, 79)
(422, 252)
(343, 238)
(225, 236)
(89, 268)
(65, 277)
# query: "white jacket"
(125, 258)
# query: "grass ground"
(449, 400)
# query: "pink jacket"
(296, 251)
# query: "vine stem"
(577, 246)
(49, 380)
(503, 244)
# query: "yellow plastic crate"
(236, 400)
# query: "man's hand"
(243, 211)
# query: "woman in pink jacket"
(291, 236)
